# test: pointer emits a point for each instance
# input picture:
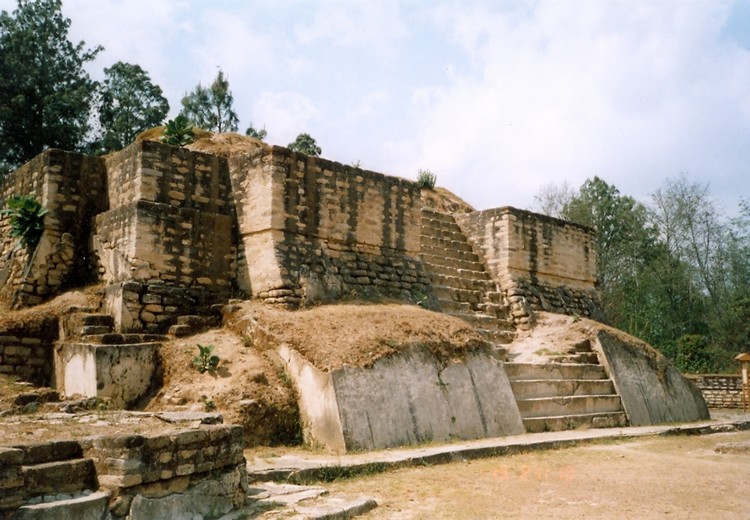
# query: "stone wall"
(719, 390)
(193, 473)
(29, 359)
(71, 187)
(167, 245)
(539, 262)
(26, 351)
(314, 230)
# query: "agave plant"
(26, 220)
(178, 131)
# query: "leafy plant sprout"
(26, 220)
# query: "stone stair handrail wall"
(539, 262)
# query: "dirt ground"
(652, 478)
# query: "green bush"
(178, 131)
(694, 354)
(426, 179)
(205, 361)
(26, 220)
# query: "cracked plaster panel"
(412, 398)
(121, 373)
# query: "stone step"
(459, 282)
(579, 358)
(520, 371)
(498, 337)
(484, 321)
(79, 506)
(533, 388)
(453, 306)
(192, 324)
(431, 259)
(445, 256)
(437, 215)
(97, 319)
(452, 270)
(95, 329)
(572, 422)
(568, 405)
(454, 242)
(51, 451)
(460, 295)
(63, 476)
(115, 338)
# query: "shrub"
(205, 361)
(426, 179)
(26, 220)
(178, 131)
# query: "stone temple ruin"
(173, 234)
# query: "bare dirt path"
(654, 478)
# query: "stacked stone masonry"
(539, 262)
(719, 390)
(171, 231)
(194, 471)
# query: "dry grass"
(675, 477)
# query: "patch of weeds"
(205, 361)
(426, 179)
(209, 405)
(247, 341)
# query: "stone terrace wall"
(71, 187)
(195, 473)
(719, 390)
(167, 245)
(541, 263)
(314, 230)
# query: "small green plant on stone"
(205, 361)
(178, 131)
(26, 220)
(426, 179)
(209, 405)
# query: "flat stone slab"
(319, 468)
(733, 447)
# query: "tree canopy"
(211, 108)
(304, 143)
(129, 104)
(672, 270)
(46, 95)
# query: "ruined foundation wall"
(541, 263)
(314, 230)
(71, 187)
(167, 245)
(719, 390)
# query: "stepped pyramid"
(563, 392)
(460, 283)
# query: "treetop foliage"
(672, 271)
(129, 103)
(211, 108)
(45, 93)
(304, 143)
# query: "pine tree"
(211, 108)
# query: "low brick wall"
(719, 390)
(197, 472)
(29, 359)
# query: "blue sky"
(497, 98)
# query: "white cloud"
(284, 115)
(633, 92)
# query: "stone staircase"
(459, 281)
(571, 391)
(58, 482)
